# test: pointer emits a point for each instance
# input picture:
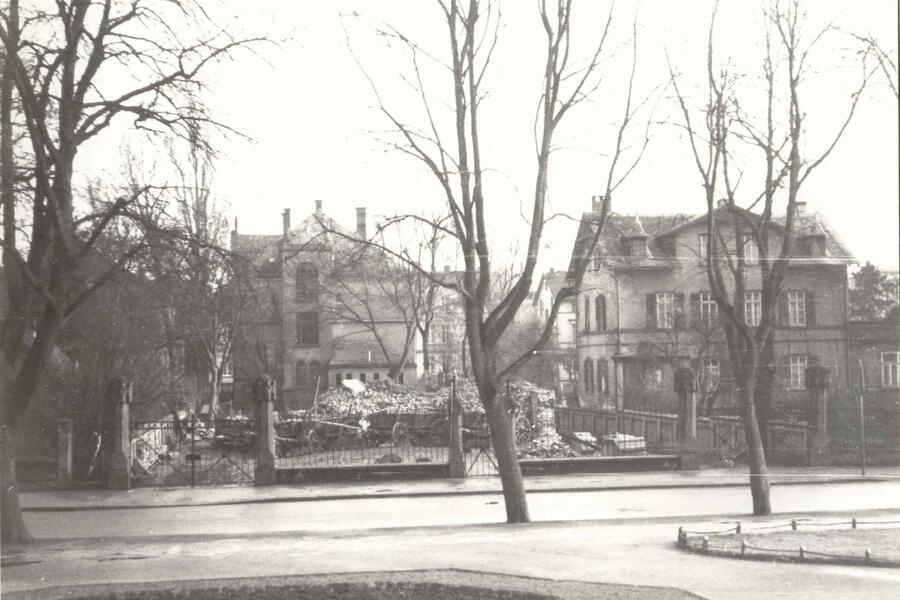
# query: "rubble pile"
(545, 441)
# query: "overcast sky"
(316, 133)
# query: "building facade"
(326, 310)
(645, 307)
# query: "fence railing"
(729, 542)
(724, 434)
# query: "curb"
(372, 496)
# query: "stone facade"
(322, 312)
(644, 308)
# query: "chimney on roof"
(318, 206)
(285, 223)
(799, 208)
(551, 270)
(234, 234)
(361, 222)
(446, 268)
(601, 204)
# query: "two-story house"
(324, 312)
(645, 307)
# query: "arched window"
(588, 376)
(307, 282)
(587, 314)
(301, 377)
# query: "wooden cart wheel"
(522, 427)
(313, 442)
(400, 434)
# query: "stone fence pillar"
(687, 418)
(264, 400)
(456, 457)
(118, 475)
(64, 451)
(817, 414)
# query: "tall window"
(307, 282)
(797, 309)
(308, 328)
(665, 310)
(752, 308)
(602, 377)
(600, 312)
(315, 375)
(751, 250)
(588, 376)
(301, 378)
(703, 244)
(587, 314)
(712, 369)
(445, 333)
(337, 380)
(798, 371)
(709, 310)
(890, 364)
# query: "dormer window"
(639, 247)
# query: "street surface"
(373, 534)
(369, 513)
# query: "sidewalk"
(54, 500)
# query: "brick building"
(645, 307)
(324, 311)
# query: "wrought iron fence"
(312, 440)
(177, 453)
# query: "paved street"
(634, 546)
(368, 513)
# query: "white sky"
(315, 130)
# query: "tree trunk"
(765, 380)
(13, 526)
(504, 443)
(756, 457)
(214, 397)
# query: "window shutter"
(810, 309)
(695, 309)
(651, 311)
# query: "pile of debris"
(388, 396)
(545, 441)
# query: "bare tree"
(775, 137)
(456, 164)
(58, 60)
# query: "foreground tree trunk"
(13, 525)
(504, 442)
(756, 456)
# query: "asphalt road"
(354, 514)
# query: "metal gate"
(181, 453)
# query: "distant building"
(562, 344)
(323, 312)
(645, 307)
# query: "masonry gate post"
(817, 414)
(264, 399)
(118, 475)
(456, 457)
(687, 418)
(64, 451)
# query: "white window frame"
(703, 244)
(712, 368)
(709, 309)
(797, 309)
(798, 364)
(751, 250)
(890, 369)
(752, 308)
(665, 310)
